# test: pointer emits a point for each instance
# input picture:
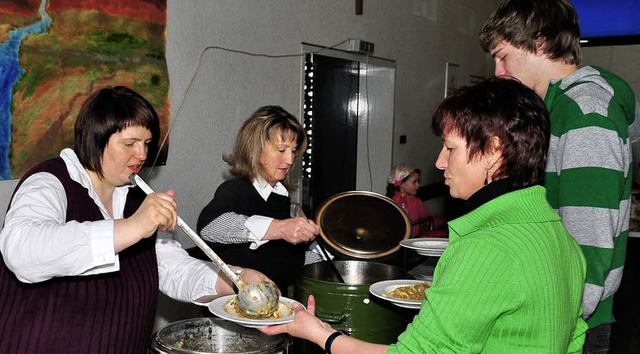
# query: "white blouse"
(37, 244)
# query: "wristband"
(330, 339)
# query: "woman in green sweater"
(511, 278)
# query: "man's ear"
(541, 47)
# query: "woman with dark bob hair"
(82, 256)
(248, 221)
(101, 116)
(511, 279)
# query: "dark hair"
(504, 108)
(528, 24)
(259, 129)
(107, 111)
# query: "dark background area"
(625, 332)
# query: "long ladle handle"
(137, 181)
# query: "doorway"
(348, 116)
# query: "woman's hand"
(305, 324)
(294, 230)
(157, 210)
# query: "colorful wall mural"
(54, 53)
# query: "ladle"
(296, 210)
(255, 300)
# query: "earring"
(486, 179)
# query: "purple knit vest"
(105, 313)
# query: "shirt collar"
(265, 189)
(489, 192)
(75, 168)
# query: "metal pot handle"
(332, 319)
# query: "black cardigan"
(281, 261)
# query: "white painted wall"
(375, 128)
(229, 86)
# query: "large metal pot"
(215, 335)
(348, 306)
(363, 230)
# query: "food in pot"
(410, 292)
(198, 342)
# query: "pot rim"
(275, 342)
(403, 274)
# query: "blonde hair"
(260, 129)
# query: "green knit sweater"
(510, 281)
(588, 177)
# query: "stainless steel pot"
(354, 273)
(215, 335)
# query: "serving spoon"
(255, 300)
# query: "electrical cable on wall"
(197, 68)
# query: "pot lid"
(363, 224)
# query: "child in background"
(403, 183)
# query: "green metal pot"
(348, 306)
(365, 228)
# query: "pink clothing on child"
(414, 207)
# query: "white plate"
(382, 288)
(430, 253)
(223, 307)
(426, 246)
(425, 243)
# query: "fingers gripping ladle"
(255, 300)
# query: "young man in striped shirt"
(594, 118)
